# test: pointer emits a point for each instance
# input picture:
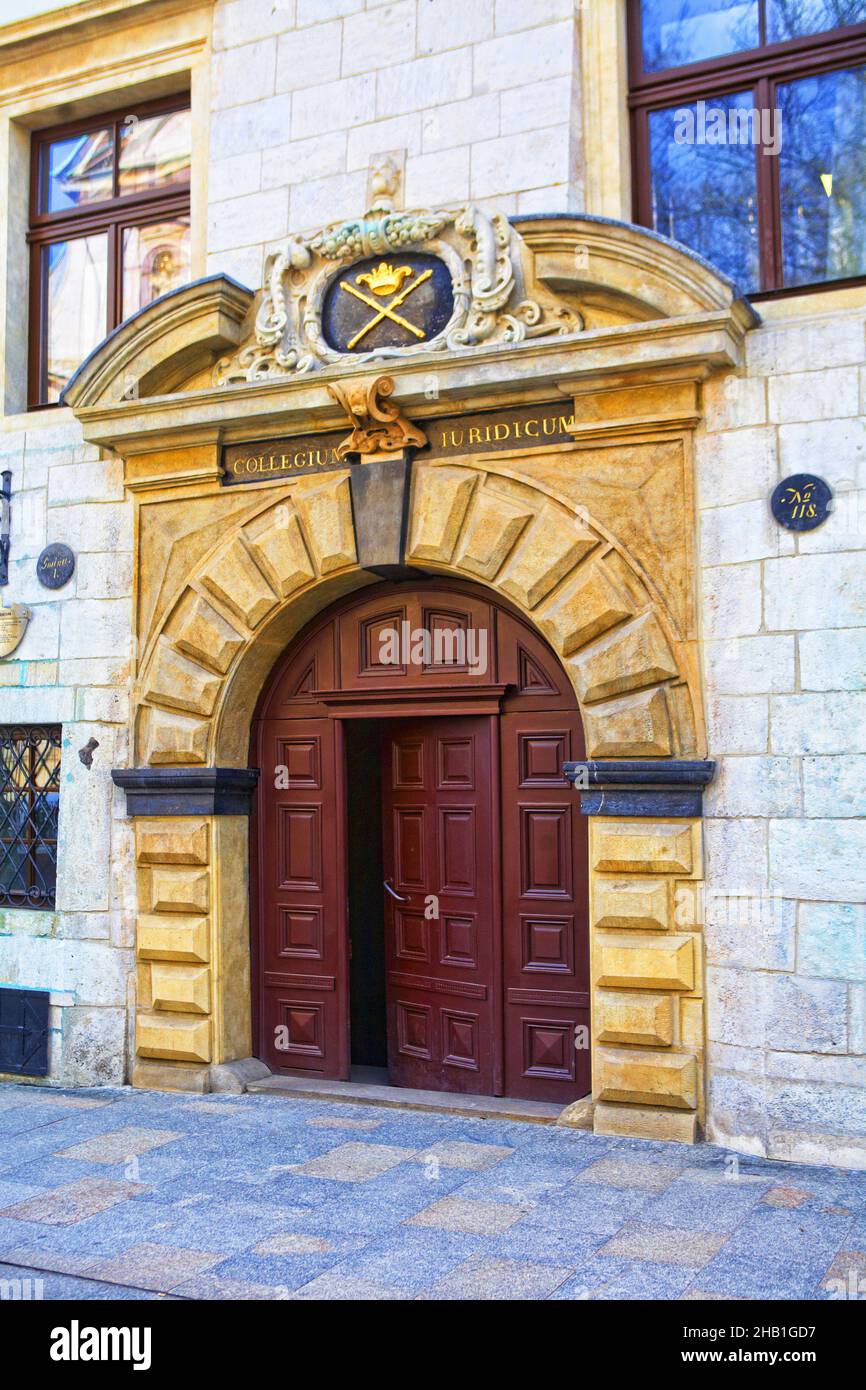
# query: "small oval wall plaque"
(801, 502)
(55, 566)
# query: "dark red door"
(302, 965)
(544, 910)
(441, 908)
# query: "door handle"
(396, 896)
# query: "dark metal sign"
(801, 502)
(55, 566)
(451, 436)
(394, 301)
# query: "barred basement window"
(29, 800)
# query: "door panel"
(545, 947)
(486, 997)
(440, 839)
(302, 965)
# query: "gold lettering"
(531, 429)
(474, 435)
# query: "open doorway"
(367, 1003)
(421, 899)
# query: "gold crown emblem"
(385, 279)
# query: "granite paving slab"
(342, 1122)
(75, 1201)
(346, 1287)
(457, 1214)
(119, 1145)
(212, 1287)
(664, 1245)
(64, 1287)
(355, 1162)
(630, 1172)
(158, 1267)
(505, 1280)
(411, 1258)
(460, 1154)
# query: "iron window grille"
(29, 802)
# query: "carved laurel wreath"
(489, 304)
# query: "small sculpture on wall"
(86, 753)
(380, 427)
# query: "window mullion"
(764, 194)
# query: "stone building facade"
(689, 407)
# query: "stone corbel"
(667, 787)
(382, 443)
(379, 426)
(187, 791)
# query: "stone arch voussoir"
(271, 573)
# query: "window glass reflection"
(675, 32)
(155, 260)
(703, 193)
(790, 19)
(76, 283)
(822, 176)
(77, 171)
(154, 151)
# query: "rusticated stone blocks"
(174, 858)
(263, 562)
(647, 978)
(647, 1078)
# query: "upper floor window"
(109, 231)
(749, 126)
(29, 802)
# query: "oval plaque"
(391, 301)
(801, 502)
(55, 566)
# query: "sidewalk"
(135, 1194)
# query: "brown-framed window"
(748, 135)
(109, 230)
(29, 803)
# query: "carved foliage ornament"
(392, 284)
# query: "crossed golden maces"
(385, 279)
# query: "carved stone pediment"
(394, 285)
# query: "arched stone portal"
(587, 531)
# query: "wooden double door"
(470, 841)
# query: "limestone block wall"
(72, 668)
(784, 627)
(479, 94)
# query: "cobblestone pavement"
(135, 1194)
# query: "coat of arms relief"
(393, 284)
